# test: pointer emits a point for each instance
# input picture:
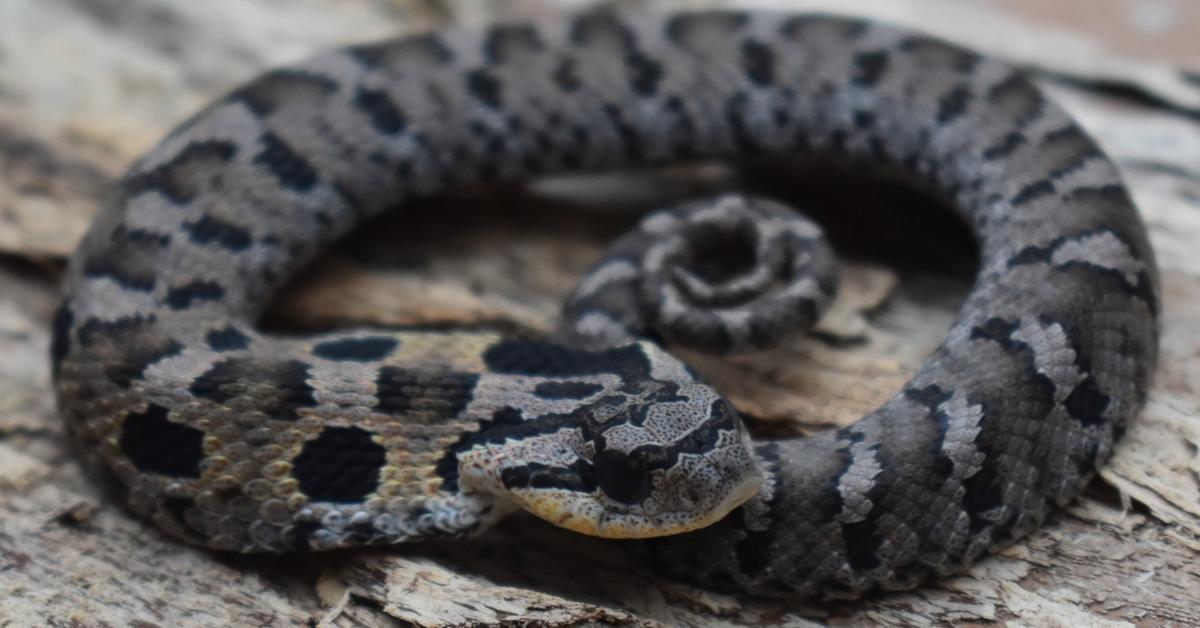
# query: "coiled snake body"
(246, 441)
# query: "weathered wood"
(85, 85)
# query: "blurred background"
(1163, 29)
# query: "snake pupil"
(621, 478)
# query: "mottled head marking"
(626, 446)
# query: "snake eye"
(621, 478)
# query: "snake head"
(638, 458)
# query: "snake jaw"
(565, 510)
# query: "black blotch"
(208, 229)
(129, 346)
(869, 67)
(356, 349)
(156, 445)
(984, 492)
(1087, 402)
(620, 477)
(385, 116)
(721, 418)
(485, 87)
(736, 122)
(644, 73)
(997, 330)
(930, 396)
(530, 357)
(758, 61)
(565, 77)
(754, 552)
(179, 180)
(506, 42)
(226, 339)
(405, 392)
(182, 297)
(277, 387)
(1033, 191)
(629, 137)
(268, 92)
(341, 465)
(862, 539)
(60, 338)
(289, 168)
(1032, 255)
(1005, 146)
(578, 477)
(566, 390)
(953, 104)
(863, 119)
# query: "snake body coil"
(245, 441)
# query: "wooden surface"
(85, 85)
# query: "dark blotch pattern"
(484, 87)
(385, 116)
(156, 445)
(341, 465)
(182, 297)
(226, 339)
(1087, 402)
(620, 477)
(290, 169)
(953, 105)
(869, 67)
(209, 229)
(423, 395)
(758, 61)
(644, 74)
(278, 388)
(1032, 192)
(530, 357)
(578, 477)
(356, 349)
(1011, 141)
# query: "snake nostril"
(621, 478)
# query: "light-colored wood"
(86, 85)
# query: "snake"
(236, 439)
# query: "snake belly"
(245, 441)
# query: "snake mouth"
(566, 511)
